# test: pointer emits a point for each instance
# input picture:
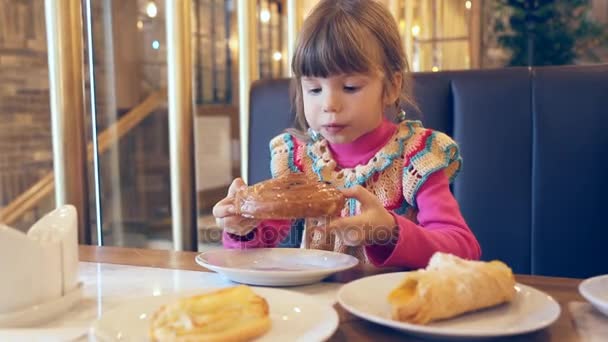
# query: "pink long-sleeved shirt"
(440, 226)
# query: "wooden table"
(352, 328)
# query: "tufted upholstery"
(534, 183)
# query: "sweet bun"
(289, 197)
(231, 314)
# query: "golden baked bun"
(451, 286)
(288, 197)
(231, 314)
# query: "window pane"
(26, 163)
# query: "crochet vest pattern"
(394, 174)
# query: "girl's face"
(344, 107)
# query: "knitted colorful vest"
(394, 174)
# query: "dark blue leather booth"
(534, 182)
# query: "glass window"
(26, 160)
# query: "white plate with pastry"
(451, 299)
(220, 314)
(595, 290)
(275, 266)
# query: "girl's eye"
(351, 89)
(314, 90)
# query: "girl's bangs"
(331, 47)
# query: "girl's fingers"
(235, 186)
(362, 195)
(224, 208)
(348, 229)
(225, 212)
(238, 225)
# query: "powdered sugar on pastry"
(450, 286)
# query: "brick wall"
(25, 137)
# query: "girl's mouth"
(333, 128)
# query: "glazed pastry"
(450, 286)
(231, 314)
(289, 197)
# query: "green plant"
(548, 32)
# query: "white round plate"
(595, 290)
(294, 316)
(275, 266)
(531, 310)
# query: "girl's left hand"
(374, 225)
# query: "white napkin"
(41, 265)
(60, 226)
(591, 324)
(30, 268)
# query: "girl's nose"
(332, 104)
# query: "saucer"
(275, 266)
(595, 290)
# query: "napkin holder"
(39, 267)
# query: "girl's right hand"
(225, 212)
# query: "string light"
(233, 42)
(140, 24)
(277, 56)
(435, 68)
(468, 4)
(415, 30)
(151, 9)
(401, 25)
(156, 45)
(265, 16)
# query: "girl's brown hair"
(348, 36)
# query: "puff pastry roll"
(450, 286)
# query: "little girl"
(350, 75)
